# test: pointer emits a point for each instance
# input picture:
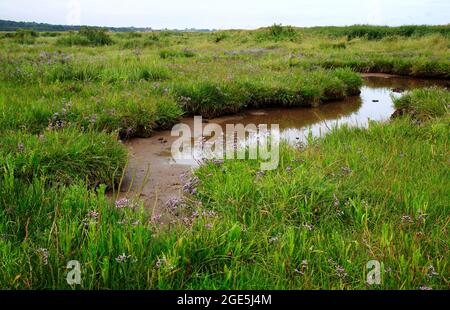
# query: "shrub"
(218, 37)
(87, 36)
(277, 32)
(25, 36)
(96, 36)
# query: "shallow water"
(152, 159)
(374, 103)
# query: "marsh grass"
(352, 196)
(63, 156)
(313, 223)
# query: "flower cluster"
(125, 203)
(191, 186)
(122, 258)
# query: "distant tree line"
(8, 25)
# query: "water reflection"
(374, 103)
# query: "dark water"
(152, 163)
(374, 103)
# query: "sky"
(226, 14)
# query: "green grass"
(350, 197)
(424, 104)
(63, 157)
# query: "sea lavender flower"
(173, 203)
(209, 213)
(92, 215)
(156, 218)
(406, 219)
(190, 186)
(425, 288)
(122, 258)
(340, 271)
(289, 169)
(209, 226)
(122, 203)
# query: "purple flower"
(124, 203)
(93, 214)
(209, 226)
(156, 218)
(340, 271)
(190, 186)
(122, 258)
(425, 288)
(173, 203)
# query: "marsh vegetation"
(69, 100)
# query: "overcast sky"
(225, 14)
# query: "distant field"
(68, 99)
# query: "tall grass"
(63, 157)
(353, 196)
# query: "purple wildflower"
(173, 203)
(406, 219)
(122, 203)
(92, 215)
(190, 186)
(425, 288)
(122, 258)
(340, 271)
